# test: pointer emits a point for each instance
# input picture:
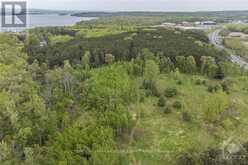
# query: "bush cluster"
(177, 105)
(214, 88)
(170, 92)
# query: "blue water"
(49, 20)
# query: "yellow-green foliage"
(238, 27)
(98, 32)
(59, 39)
(237, 45)
(9, 39)
(214, 106)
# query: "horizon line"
(151, 11)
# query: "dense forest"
(81, 95)
(123, 47)
(159, 17)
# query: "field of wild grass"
(192, 120)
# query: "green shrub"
(211, 89)
(225, 88)
(226, 85)
(161, 101)
(177, 105)
(170, 92)
(214, 88)
(211, 156)
(200, 82)
(147, 84)
(142, 99)
(186, 159)
(186, 117)
(142, 96)
(142, 113)
(179, 82)
(135, 70)
(214, 107)
(155, 90)
(151, 87)
(167, 110)
(148, 93)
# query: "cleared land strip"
(216, 40)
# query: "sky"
(140, 5)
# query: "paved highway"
(216, 40)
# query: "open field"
(163, 136)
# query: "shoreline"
(61, 23)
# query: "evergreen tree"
(151, 70)
(208, 66)
(86, 60)
(166, 65)
(190, 65)
(181, 63)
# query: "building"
(208, 23)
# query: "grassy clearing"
(160, 137)
(58, 39)
(101, 31)
(238, 45)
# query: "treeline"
(123, 47)
(159, 17)
(238, 28)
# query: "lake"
(44, 20)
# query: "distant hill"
(215, 15)
(44, 11)
(144, 13)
